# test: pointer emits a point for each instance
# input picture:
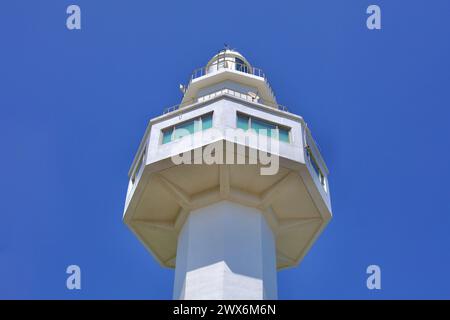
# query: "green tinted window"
(283, 134)
(262, 127)
(207, 121)
(184, 129)
(167, 135)
(187, 128)
(314, 164)
(242, 122)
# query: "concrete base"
(225, 251)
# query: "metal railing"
(203, 71)
(171, 109)
(200, 72)
(282, 108)
(230, 92)
(197, 73)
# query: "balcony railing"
(225, 92)
(282, 108)
(171, 109)
(200, 72)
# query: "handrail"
(221, 92)
(171, 109)
(203, 71)
(282, 108)
(200, 72)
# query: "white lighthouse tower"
(200, 202)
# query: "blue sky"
(75, 104)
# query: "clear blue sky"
(75, 104)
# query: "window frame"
(173, 128)
(139, 165)
(240, 65)
(276, 125)
(321, 176)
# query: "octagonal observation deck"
(295, 201)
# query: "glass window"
(207, 121)
(167, 135)
(139, 167)
(186, 128)
(242, 122)
(283, 134)
(263, 127)
(322, 179)
(240, 65)
(316, 168)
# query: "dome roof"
(227, 54)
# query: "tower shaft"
(225, 251)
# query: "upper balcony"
(228, 65)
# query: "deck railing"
(230, 92)
(203, 71)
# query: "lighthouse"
(227, 187)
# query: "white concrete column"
(225, 251)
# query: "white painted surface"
(224, 117)
(225, 251)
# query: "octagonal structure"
(295, 202)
